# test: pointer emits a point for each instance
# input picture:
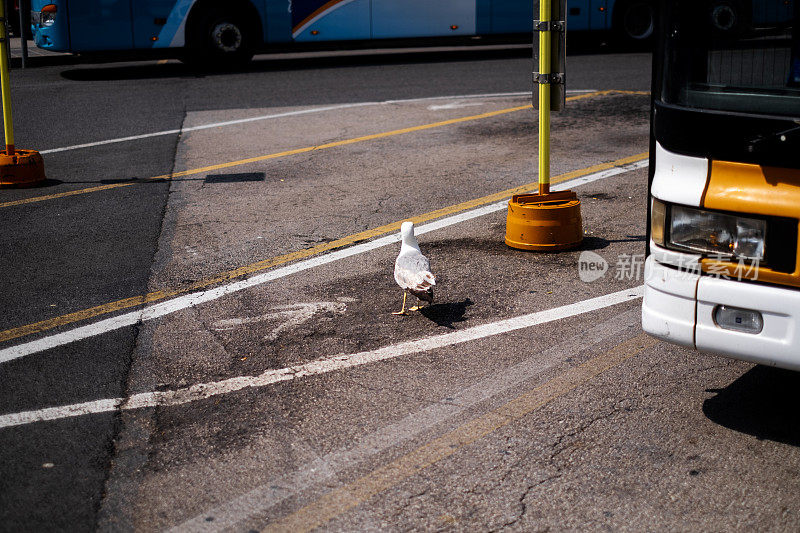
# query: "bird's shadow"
(445, 314)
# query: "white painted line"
(189, 300)
(452, 105)
(288, 114)
(203, 391)
(475, 96)
(204, 126)
(230, 515)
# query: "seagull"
(412, 270)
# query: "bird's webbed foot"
(402, 311)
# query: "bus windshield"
(749, 63)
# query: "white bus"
(722, 272)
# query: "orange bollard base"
(544, 222)
(24, 168)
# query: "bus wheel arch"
(634, 21)
(226, 35)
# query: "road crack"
(130, 446)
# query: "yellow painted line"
(353, 494)
(66, 194)
(296, 151)
(276, 155)
(128, 303)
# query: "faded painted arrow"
(292, 315)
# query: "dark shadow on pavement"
(598, 243)
(40, 185)
(594, 243)
(336, 55)
(209, 179)
(762, 403)
(445, 314)
(631, 238)
(290, 63)
(241, 177)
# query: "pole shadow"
(47, 182)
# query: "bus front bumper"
(679, 307)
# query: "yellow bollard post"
(544, 101)
(5, 83)
(545, 221)
(17, 167)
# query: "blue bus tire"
(728, 18)
(634, 22)
(220, 38)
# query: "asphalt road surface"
(197, 328)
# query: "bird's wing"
(412, 271)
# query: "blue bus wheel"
(727, 18)
(220, 38)
(634, 21)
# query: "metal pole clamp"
(548, 25)
(555, 78)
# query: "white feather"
(411, 268)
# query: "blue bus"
(232, 30)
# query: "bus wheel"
(634, 21)
(726, 18)
(221, 39)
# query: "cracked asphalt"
(298, 401)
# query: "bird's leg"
(403, 310)
(420, 305)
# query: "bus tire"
(634, 22)
(221, 38)
(727, 18)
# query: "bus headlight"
(47, 16)
(708, 232)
